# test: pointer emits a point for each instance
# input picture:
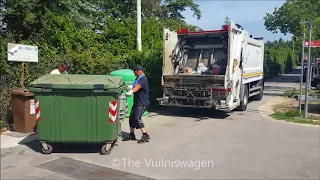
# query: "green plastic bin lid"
(77, 81)
(126, 74)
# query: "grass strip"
(293, 115)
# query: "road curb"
(265, 110)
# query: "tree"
(174, 8)
(287, 18)
(226, 20)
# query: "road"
(215, 145)
(277, 86)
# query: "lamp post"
(139, 43)
(302, 68)
(309, 24)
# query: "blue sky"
(248, 13)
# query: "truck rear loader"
(218, 69)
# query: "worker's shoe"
(144, 138)
(131, 137)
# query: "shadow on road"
(292, 77)
(273, 94)
(32, 142)
(201, 114)
(257, 111)
(285, 79)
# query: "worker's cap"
(137, 68)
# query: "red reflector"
(225, 27)
(183, 30)
(221, 90)
(229, 89)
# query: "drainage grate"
(82, 170)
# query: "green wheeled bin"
(128, 78)
(79, 109)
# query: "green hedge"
(278, 60)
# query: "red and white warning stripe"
(126, 108)
(38, 117)
(112, 111)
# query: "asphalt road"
(192, 144)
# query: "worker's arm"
(135, 89)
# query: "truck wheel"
(259, 96)
(244, 100)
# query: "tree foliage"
(226, 19)
(288, 18)
(92, 36)
(279, 58)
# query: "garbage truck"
(220, 69)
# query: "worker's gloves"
(129, 93)
(128, 88)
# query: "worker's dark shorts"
(135, 120)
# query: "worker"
(140, 89)
(61, 69)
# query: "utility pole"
(139, 43)
(309, 23)
(302, 68)
(293, 45)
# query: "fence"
(11, 80)
(7, 83)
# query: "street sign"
(22, 53)
(315, 43)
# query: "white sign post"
(22, 53)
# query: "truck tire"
(259, 96)
(245, 99)
(318, 86)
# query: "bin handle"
(99, 87)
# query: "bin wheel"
(106, 149)
(12, 127)
(47, 151)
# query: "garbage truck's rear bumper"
(164, 101)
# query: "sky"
(247, 13)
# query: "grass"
(297, 92)
(3, 125)
(293, 115)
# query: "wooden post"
(22, 75)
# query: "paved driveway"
(185, 144)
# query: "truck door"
(236, 48)
(170, 40)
